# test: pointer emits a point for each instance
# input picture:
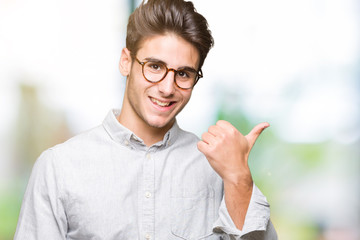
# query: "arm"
(227, 151)
(42, 214)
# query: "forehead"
(171, 49)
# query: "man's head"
(167, 43)
(157, 17)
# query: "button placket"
(148, 195)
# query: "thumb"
(255, 133)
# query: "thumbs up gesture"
(227, 151)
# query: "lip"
(162, 108)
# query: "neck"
(150, 135)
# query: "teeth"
(162, 104)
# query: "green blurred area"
(35, 129)
(9, 207)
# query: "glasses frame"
(199, 74)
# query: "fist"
(227, 150)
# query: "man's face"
(156, 105)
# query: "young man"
(138, 175)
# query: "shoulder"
(85, 140)
(79, 145)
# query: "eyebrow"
(151, 59)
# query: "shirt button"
(147, 236)
(126, 143)
(148, 156)
(148, 194)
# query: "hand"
(227, 151)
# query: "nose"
(167, 85)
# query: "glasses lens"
(154, 71)
(185, 78)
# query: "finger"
(215, 130)
(202, 146)
(226, 127)
(223, 124)
(208, 138)
(255, 133)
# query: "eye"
(153, 66)
(183, 74)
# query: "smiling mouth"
(160, 103)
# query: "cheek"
(135, 85)
(133, 91)
(186, 98)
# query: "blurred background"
(295, 64)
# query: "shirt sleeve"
(257, 223)
(42, 214)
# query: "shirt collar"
(124, 136)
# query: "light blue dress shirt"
(107, 184)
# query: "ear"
(125, 62)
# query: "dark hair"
(157, 17)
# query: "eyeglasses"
(156, 71)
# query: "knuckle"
(233, 131)
(212, 129)
(203, 135)
(221, 122)
(221, 136)
(201, 147)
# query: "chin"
(161, 124)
